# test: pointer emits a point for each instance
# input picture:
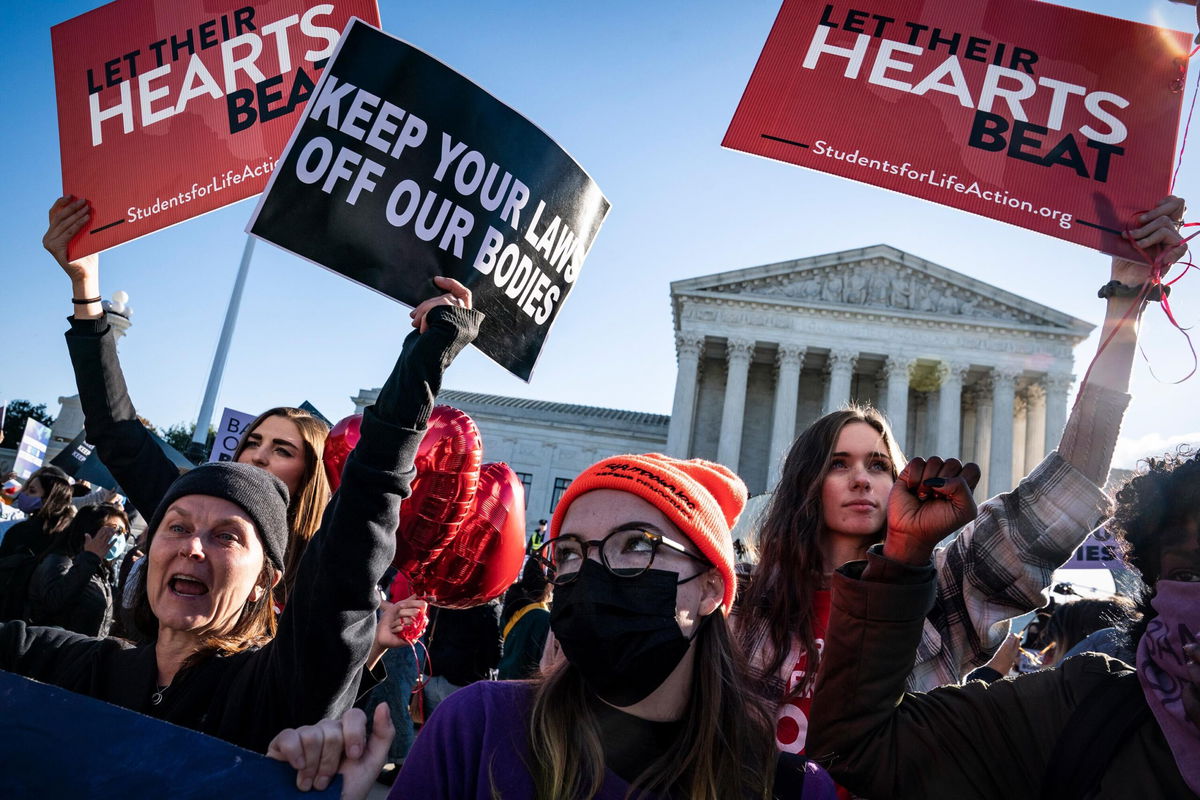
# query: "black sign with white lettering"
(401, 169)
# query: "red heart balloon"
(338, 444)
(484, 558)
(447, 462)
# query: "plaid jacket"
(999, 566)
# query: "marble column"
(1000, 464)
(949, 419)
(738, 353)
(689, 348)
(1035, 426)
(841, 371)
(1020, 419)
(1057, 385)
(790, 361)
(897, 370)
(983, 435)
(968, 425)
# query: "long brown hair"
(777, 608)
(308, 504)
(726, 748)
(56, 511)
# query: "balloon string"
(418, 693)
(1157, 267)
(1187, 127)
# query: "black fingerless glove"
(408, 396)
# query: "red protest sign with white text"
(168, 109)
(1052, 119)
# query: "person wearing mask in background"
(46, 502)
(72, 587)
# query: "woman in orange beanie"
(652, 696)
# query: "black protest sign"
(401, 169)
(74, 455)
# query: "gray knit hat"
(259, 493)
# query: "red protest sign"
(168, 109)
(1052, 119)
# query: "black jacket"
(311, 669)
(27, 535)
(72, 593)
(124, 445)
(464, 645)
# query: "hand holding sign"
(402, 170)
(68, 216)
(1013, 115)
(456, 295)
(1157, 232)
(337, 746)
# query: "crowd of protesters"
(634, 656)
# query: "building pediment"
(882, 279)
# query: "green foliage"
(14, 420)
(180, 434)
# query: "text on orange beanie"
(701, 498)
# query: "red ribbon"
(1157, 265)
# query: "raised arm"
(1000, 565)
(123, 443)
(310, 671)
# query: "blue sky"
(640, 93)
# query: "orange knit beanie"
(701, 498)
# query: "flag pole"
(196, 451)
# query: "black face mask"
(620, 633)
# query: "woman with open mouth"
(216, 658)
(287, 442)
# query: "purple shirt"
(478, 737)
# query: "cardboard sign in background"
(914, 96)
(168, 109)
(229, 433)
(32, 449)
(359, 191)
(61, 744)
(1098, 551)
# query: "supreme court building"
(960, 367)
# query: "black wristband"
(86, 300)
(1118, 289)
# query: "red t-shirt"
(791, 724)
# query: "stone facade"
(548, 444)
(960, 367)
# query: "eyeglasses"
(624, 553)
